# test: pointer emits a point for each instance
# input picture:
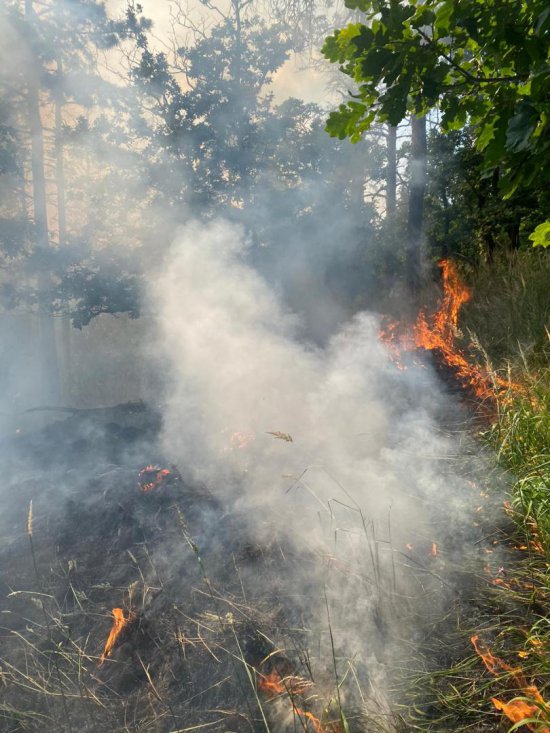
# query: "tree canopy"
(479, 62)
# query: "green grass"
(509, 312)
(521, 437)
(506, 326)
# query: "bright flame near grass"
(517, 710)
(438, 333)
(118, 624)
(273, 684)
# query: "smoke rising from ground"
(368, 481)
(363, 432)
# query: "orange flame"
(151, 477)
(516, 710)
(273, 684)
(519, 710)
(118, 624)
(438, 333)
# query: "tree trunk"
(416, 202)
(47, 345)
(59, 166)
(64, 341)
(391, 171)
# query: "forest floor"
(204, 646)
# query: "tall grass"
(509, 313)
(509, 318)
(506, 326)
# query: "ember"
(119, 623)
(151, 477)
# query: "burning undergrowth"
(123, 604)
(266, 552)
(437, 334)
(163, 608)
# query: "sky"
(294, 79)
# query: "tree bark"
(416, 202)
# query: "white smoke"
(362, 432)
(356, 495)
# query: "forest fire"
(151, 477)
(119, 623)
(438, 332)
(517, 710)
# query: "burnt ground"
(211, 611)
(204, 602)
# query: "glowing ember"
(438, 333)
(118, 624)
(151, 477)
(516, 710)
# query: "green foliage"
(509, 317)
(482, 62)
(465, 212)
(522, 437)
(541, 236)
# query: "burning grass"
(507, 317)
(438, 333)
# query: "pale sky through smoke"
(291, 80)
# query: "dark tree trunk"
(513, 231)
(416, 201)
(391, 171)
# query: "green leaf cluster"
(485, 63)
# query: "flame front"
(118, 624)
(517, 710)
(438, 333)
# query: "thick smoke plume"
(363, 431)
(334, 450)
(365, 455)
